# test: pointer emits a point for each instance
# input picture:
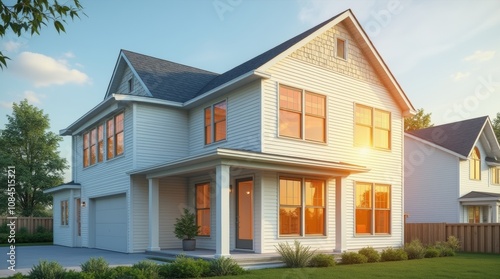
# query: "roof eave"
(62, 188)
(236, 82)
(87, 116)
(435, 146)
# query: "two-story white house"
(452, 173)
(303, 142)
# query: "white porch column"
(222, 211)
(340, 215)
(154, 215)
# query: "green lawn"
(463, 265)
(26, 244)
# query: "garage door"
(111, 223)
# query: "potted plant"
(186, 229)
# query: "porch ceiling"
(249, 160)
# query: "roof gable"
(459, 137)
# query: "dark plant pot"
(188, 244)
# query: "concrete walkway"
(70, 258)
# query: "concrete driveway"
(70, 258)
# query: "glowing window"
(215, 118)
(203, 208)
(372, 127)
(475, 164)
(373, 208)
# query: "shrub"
(96, 266)
(391, 254)
(149, 269)
(431, 252)
(41, 229)
(371, 254)
(322, 260)
(47, 270)
(184, 267)
(17, 275)
(453, 243)
(126, 272)
(225, 266)
(296, 256)
(445, 251)
(71, 274)
(4, 228)
(353, 258)
(23, 230)
(415, 249)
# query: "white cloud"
(459, 76)
(480, 56)
(33, 97)
(7, 105)
(69, 54)
(11, 46)
(43, 70)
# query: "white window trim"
(346, 48)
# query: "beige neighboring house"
(452, 173)
(302, 142)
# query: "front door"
(244, 213)
(78, 223)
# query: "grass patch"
(463, 265)
(27, 244)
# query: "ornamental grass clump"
(224, 266)
(296, 256)
(415, 250)
(148, 269)
(47, 270)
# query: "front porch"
(243, 205)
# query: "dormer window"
(475, 164)
(130, 85)
(341, 48)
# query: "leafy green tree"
(28, 146)
(496, 126)
(419, 121)
(32, 15)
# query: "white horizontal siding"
(139, 214)
(431, 184)
(173, 199)
(243, 121)
(62, 234)
(161, 134)
(105, 178)
(123, 87)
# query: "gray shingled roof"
(458, 137)
(475, 194)
(168, 80)
(176, 82)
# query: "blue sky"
(445, 54)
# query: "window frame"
(209, 208)
(475, 163)
(373, 208)
(303, 114)
(211, 127)
(345, 52)
(495, 175)
(112, 151)
(64, 207)
(131, 85)
(303, 206)
(373, 128)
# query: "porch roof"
(479, 196)
(66, 186)
(251, 160)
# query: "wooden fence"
(481, 238)
(30, 223)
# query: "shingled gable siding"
(321, 52)
(105, 178)
(431, 184)
(343, 92)
(243, 121)
(123, 88)
(161, 134)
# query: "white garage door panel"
(111, 223)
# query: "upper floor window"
(495, 175)
(372, 127)
(93, 141)
(341, 48)
(114, 130)
(373, 208)
(130, 85)
(215, 122)
(294, 111)
(203, 208)
(302, 203)
(475, 164)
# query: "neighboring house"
(303, 142)
(452, 173)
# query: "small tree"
(419, 121)
(185, 226)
